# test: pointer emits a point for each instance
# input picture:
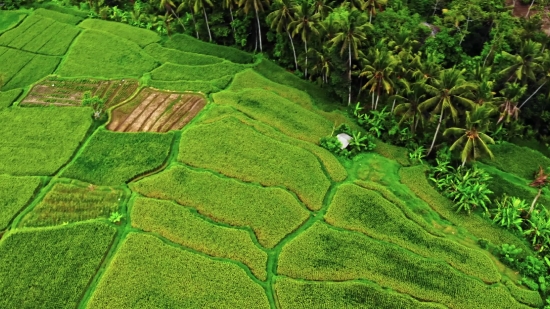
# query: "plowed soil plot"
(54, 91)
(155, 111)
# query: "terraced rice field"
(155, 111)
(69, 92)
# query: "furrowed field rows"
(69, 92)
(15, 193)
(155, 111)
(21, 68)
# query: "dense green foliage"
(71, 202)
(146, 272)
(271, 213)
(112, 158)
(234, 149)
(51, 268)
(38, 141)
(184, 226)
(15, 193)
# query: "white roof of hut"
(344, 139)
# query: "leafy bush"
(112, 158)
(236, 150)
(175, 56)
(271, 213)
(172, 72)
(146, 272)
(8, 97)
(100, 54)
(324, 253)
(293, 293)
(185, 226)
(15, 193)
(38, 141)
(68, 202)
(509, 254)
(38, 266)
(508, 212)
(139, 36)
(349, 210)
(58, 16)
(187, 43)
(359, 143)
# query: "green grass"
(366, 211)
(72, 202)
(523, 295)
(100, 54)
(206, 87)
(8, 97)
(10, 19)
(51, 268)
(415, 178)
(58, 16)
(112, 158)
(140, 36)
(237, 150)
(147, 273)
(15, 193)
(172, 72)
(175, 56)
(30, 28)
(189, 44)
(38, 141)
(183, 226)
(278, 112)
(324, 253)
(296, 294)
(271, 213)
(61, 9)
(20, 68)
(520, 161)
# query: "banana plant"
(508, 213)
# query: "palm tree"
(402, 44)
(322, 63)
(281, 19)
(258, 6)
(526, 63)
(447, 90)
(352, 31)
(540, 182)
(412, 96)
(322, 8)
(511, 94)
(200, 5)
(427, 69)
(472, 140)
(306, 23)
(230, 4)
(168, 6)
(378, 69)
(188, 4)
(370, 5)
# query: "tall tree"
(447, 91)
(526, 63)
(168, 6)
(230, 4)
(198, 6)
(411, 96)
(258, 6)
(473, 141)
(281, 18)
(377, 68)
(353, 28)
(307, 24)
(511, 94)
(371, 5)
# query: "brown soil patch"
(156, 111)
(60, 92)
(520, 10)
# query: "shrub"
(362, 210)
(38, 266)
(72, 202)
(38, 141)
(175, 56)
(237, 150)
(8, 97)
(146, 272)
(293, 293)
(142, 37)
(15, 193)
(185, 226)
(278, 112)
(100, 54)
(113, 158)
(189, 44)
(173, 72)
(271, 213)
(58, 16)
(323, 253)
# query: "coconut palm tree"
(447, 91)
(322, 63)
(473, 141)
(168, 7)
(230, 4)
(353, 28)
(258, 6)
(371, 5)
(322, 8)
(526, 64)
(198, 6)
(306, 23)
(411, 96)
(378, 68)
(511, 94)
(425, 69)
(280, 20)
